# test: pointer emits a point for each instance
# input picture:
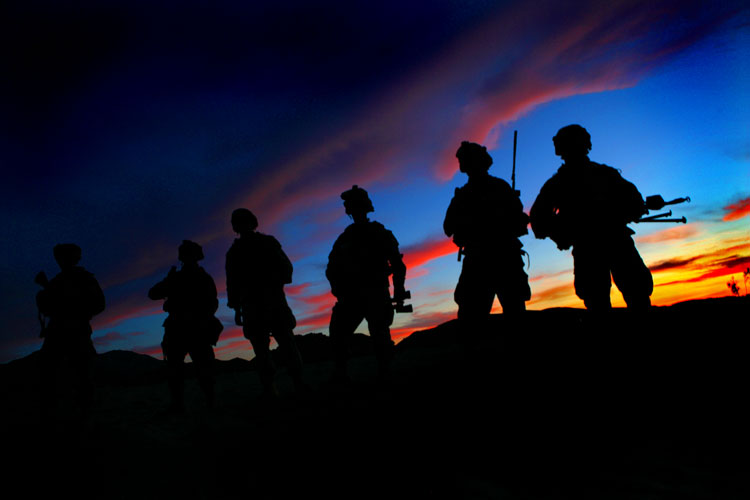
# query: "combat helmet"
(67, 254)
(242, 218)
(472, 155)
(356, 200)
(189, 251)
(572, 140)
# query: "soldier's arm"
(211, 294)
(450, 222)
(160, 290)
(97, 301)
(398, 268)
(634, 207)
(542, 212)
(286, 267)
(230, 281)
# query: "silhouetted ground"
(567, 407)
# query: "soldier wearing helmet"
(486, 219)
(587, 206)
(191, 327)
(66, 305)
(257, 270)
(362, 259)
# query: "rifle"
(656, 202)
(398, 303)
(524, 221)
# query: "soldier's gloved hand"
(399, 294)
(238, 317)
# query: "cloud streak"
(737, 210)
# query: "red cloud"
(737, 210)
(669, 234)
(133, 307)
(422, 253)
(296, 289)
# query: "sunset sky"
(130, 126)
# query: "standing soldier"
(69, 300)
(587, 205)
(359, 264)
(191, 327)
(257, 270)
(486, 219)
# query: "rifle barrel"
(513, 174)
(682, 220)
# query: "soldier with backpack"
(191, 327)
(587, 206)
(362, 259)
(66, 305)
(257, 270)
(486, 219)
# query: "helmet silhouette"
(356, 200)
(572, 140)
(189, 251)
(472, 155)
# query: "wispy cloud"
(422, 253)
(670, 234)
(110, 337)
(737, 210)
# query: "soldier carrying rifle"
(486, 219)
(69, 301)
(359, 265)
(601, 240)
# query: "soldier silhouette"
(587, 206)
(68, 301)
(486, 219)
(362, 259)
(257, 270)
(191, 327)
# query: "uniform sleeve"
(285, 267)
(97, 302)
(631, 201)
(231, 279)
(212, 297)
(159, 291)
(395, 260)
(543, 211)
(451, 216)
(332, 269)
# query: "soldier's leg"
(592, 277)
(632, 276)
(345, 318)
(379, 317)
(203, 357)
(261, 342)
(174, 354)
(50, 360)
(513, 288)
(288, 345)
(474, 295)
(81, 358)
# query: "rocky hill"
(563, 405)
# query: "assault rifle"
(656, 202)
(398, 303)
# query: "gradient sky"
(130, 126)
